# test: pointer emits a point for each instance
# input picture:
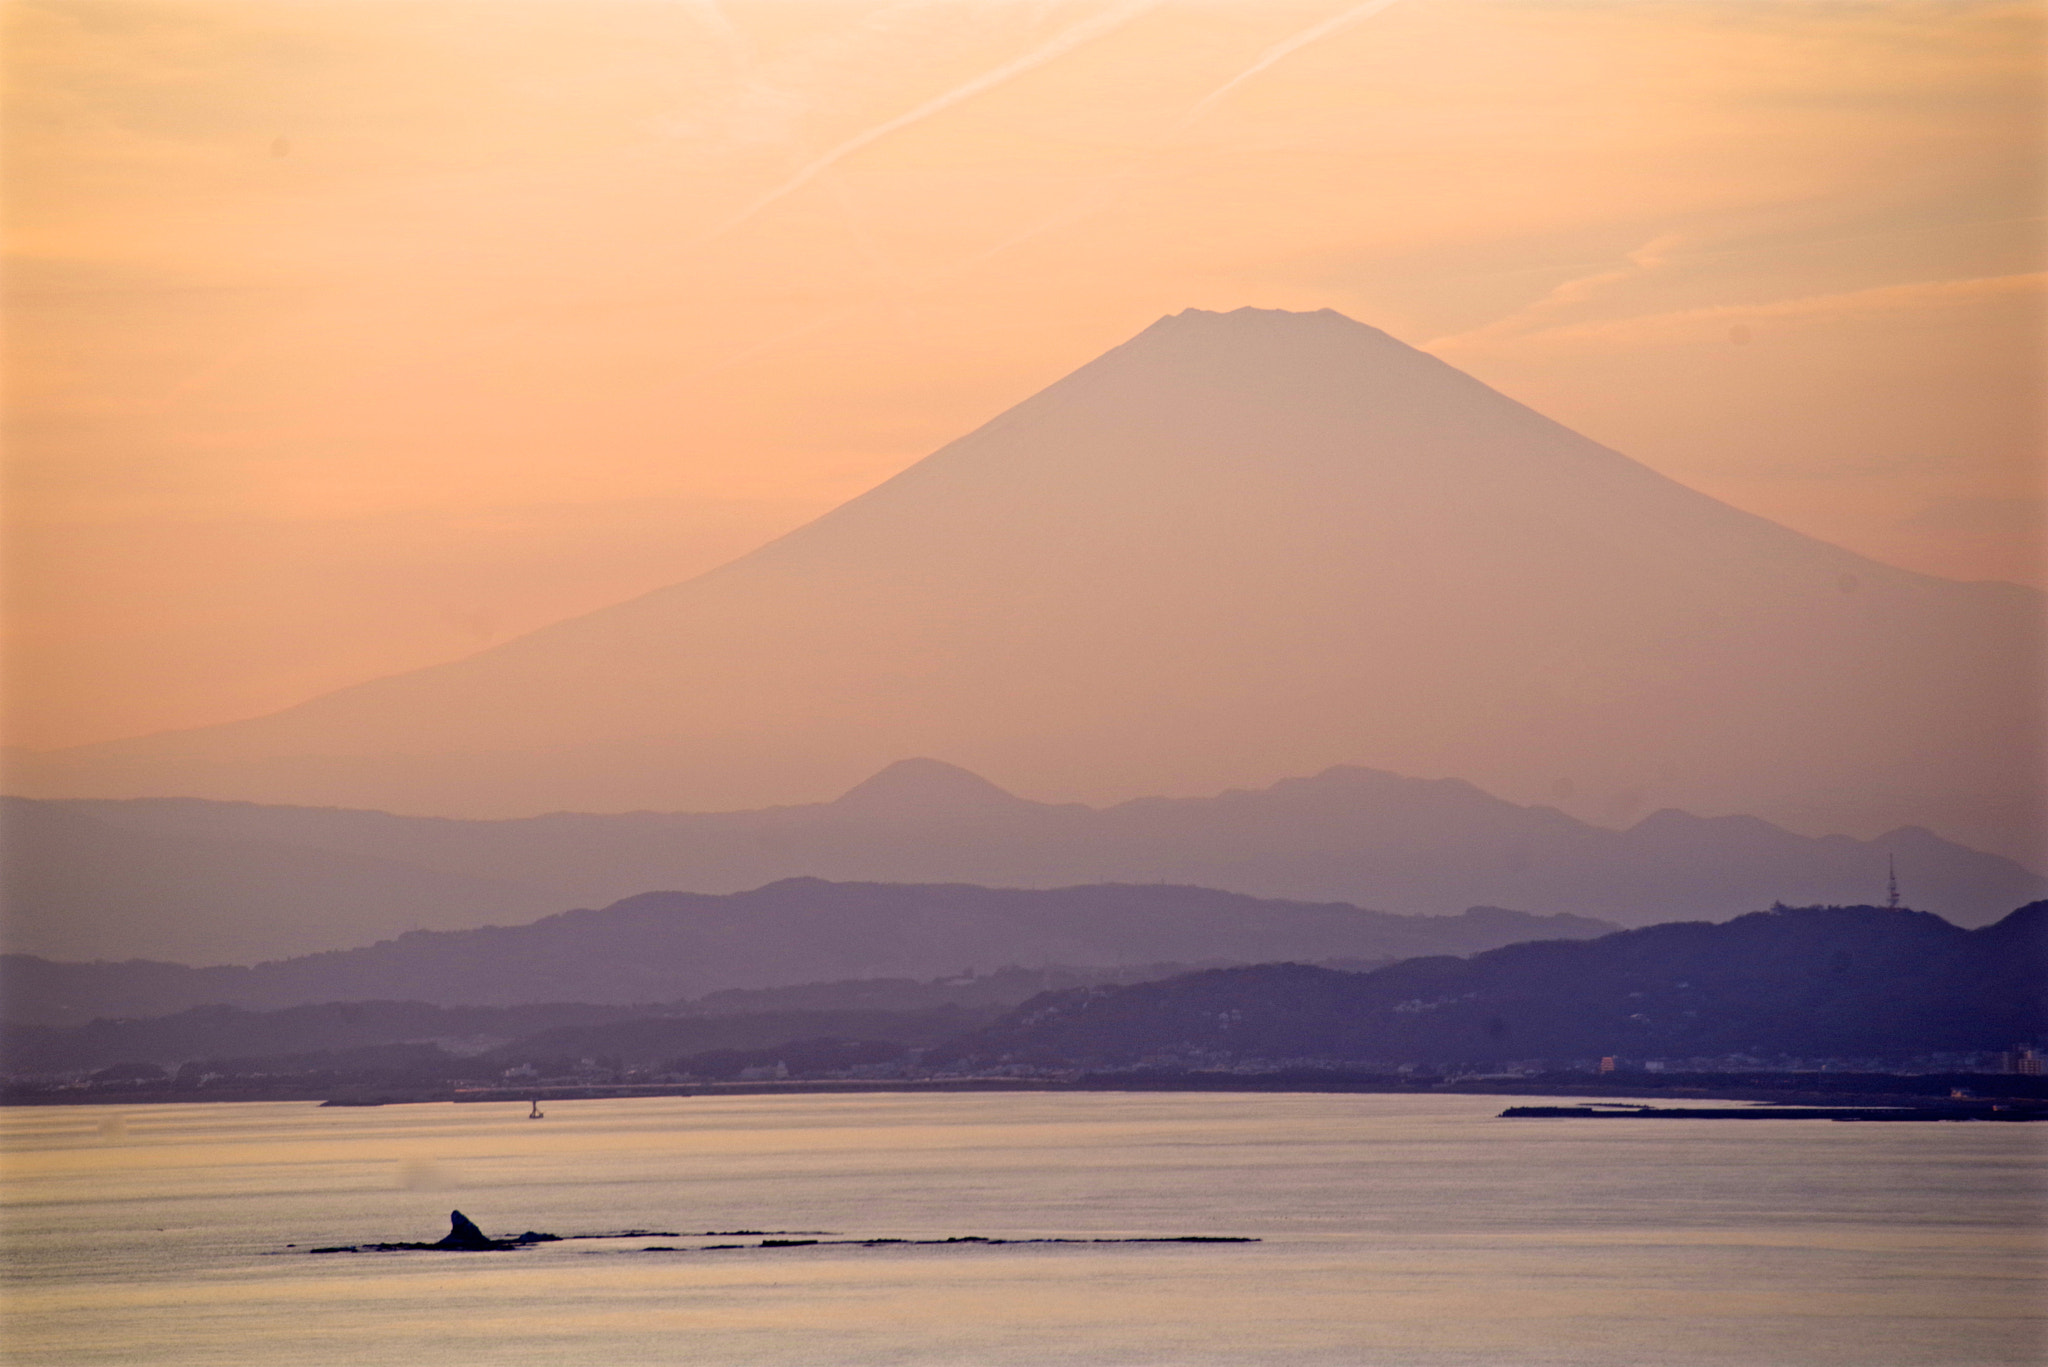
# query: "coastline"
(2019, 1092)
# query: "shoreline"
(1987, 1089)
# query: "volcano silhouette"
(1236, 547)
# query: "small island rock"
(463, 1234)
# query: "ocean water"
(1394, 1229)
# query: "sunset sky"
(346, 336)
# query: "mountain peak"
(1246, 323)
(1242, 544)
(924, 788)
(1250, 314)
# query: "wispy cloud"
(1679, 324)
(1284, 48)
(1061, 43)
(1531, 317)
(1086, 206)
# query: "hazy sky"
(349, 335)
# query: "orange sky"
(348, 335)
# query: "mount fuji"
(1239, 546)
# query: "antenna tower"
(1891, 898)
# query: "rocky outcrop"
(463, 1237)
(463, 1234)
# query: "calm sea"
(1396, 1230)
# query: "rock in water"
(463, 1234)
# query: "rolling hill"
(663, 946)
(201, 882)
(1864, 982)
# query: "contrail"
(1090, 204)
(1282, 49)
(1061, 43)
(1644, 259)
(1082, 208)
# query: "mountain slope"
(1238, 546)
(668, 945)
(79, 887)
(205, 882)
(574, 1031)
(1809, 981)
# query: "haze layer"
(1238, 546)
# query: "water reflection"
(1413, 1230)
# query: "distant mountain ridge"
(1856, 982)
(42, 1032)
(1236, 546)
(202, 882)
(663, 946)
(1870, 986)
(574, 1031)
